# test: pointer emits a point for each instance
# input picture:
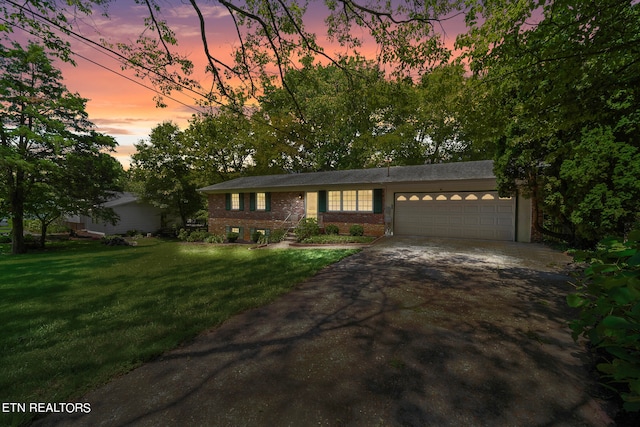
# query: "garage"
(470, 215)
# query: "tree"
(427, 122)
(163, 167)
(330, 115)
(271, 39)
(43, 130)
(218, 147)
(562, 80)
(78, 188)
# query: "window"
(235, 201)
(334, 201)
(350, 201)
(261, 201)
(365, 200)
(258, 202)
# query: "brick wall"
(283, 204)
(373, 224)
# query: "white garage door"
(472, 215)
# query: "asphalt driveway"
(411, 332)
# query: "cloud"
(187, 12)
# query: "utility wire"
(122, 57)
(115, 72)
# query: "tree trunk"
(43, 233)
(17, 215)
(538, 226)
(17, 234)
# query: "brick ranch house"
(438, 200)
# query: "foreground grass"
(80, 313)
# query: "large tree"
(45, 134)
(218, 146)
(562, 83)
(165, 171)
(270, 38)
(324, 126)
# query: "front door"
(311, 209)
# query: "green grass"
(80, 313)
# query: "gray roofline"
(482, 169)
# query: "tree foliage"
(561, 82)
(47, 145)
(271, 39)
(162, 166)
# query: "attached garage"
(472, 215)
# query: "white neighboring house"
(134, 215)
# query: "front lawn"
(80, 313)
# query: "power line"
(115, 72)
(122, 57)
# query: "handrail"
(287, 218)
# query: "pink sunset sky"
(125, 109)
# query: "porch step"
(290, 237)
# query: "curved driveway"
(410, 332)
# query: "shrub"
(356, 230)
(306, 228)
(114, 241)
(256, 236)
(214, 238)
(608, 297)
(232, 237)
(183, 234)
(198, 236)
(276, 236)
(331, 229)
(5, 239)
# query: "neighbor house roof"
(398, 174)
(119, 199)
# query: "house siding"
(284, 206)
(288, 206)
(134, 216)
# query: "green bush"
(114, 241)
(5, 238)
(232, 237)
(608, 297)
(256, 236)
(331, 229)
(306, 228)
(356, 230)
(276, 236)
(198, 236)
(183, 234)
(214, 238)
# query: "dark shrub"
(198, 236)
(356, 230)
(331, 229)
(232, 237)
(276, 236)
(256, 236)
(308, 227)
(608, 297)
(114, 241)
